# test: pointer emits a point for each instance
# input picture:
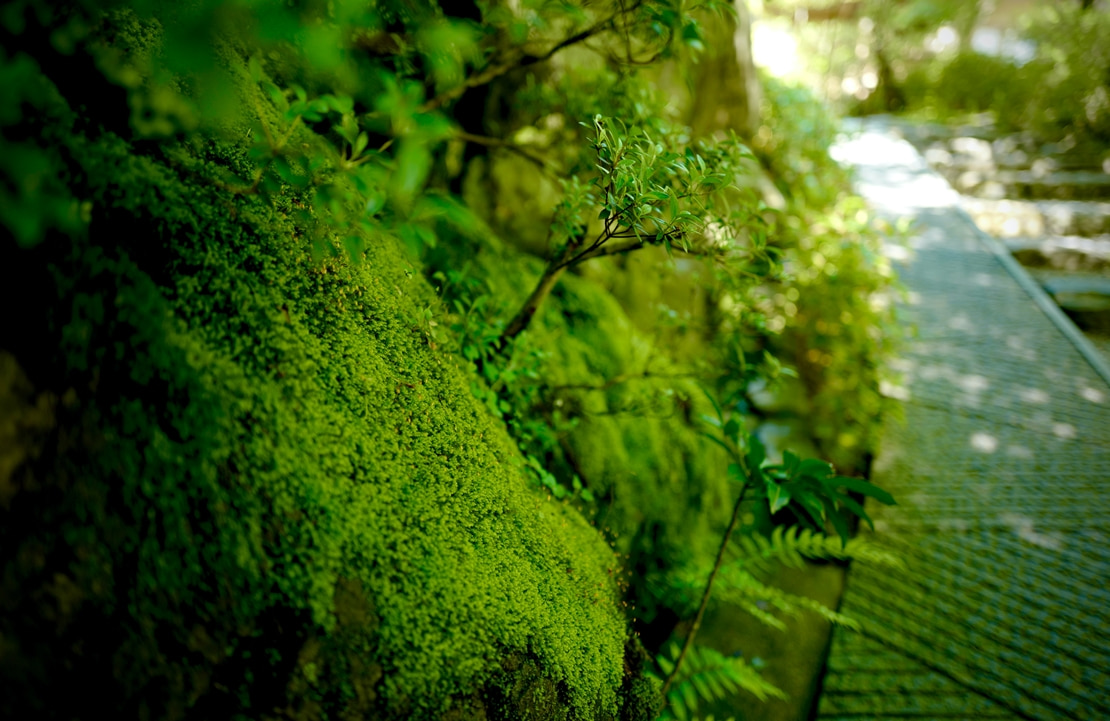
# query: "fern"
(738, 586)
(708, 675)
(791, 546)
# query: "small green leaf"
(276, 96)
(790, 462)
(756, 453)
(814, 468)
(850, 503)
(778, 496)
(858, 485)
(838, 522)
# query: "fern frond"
(708, 675)
(745, 589)
(736, 585)
(792, 546)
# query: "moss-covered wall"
(263, 491)
(660, 488)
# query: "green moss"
(661, 488)
(269, 484)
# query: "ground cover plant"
(396, 360)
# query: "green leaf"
(814, 468)
(778, 496)
(813, 507)
(690, 696)
(414, 162)
(858, 485)
(850, 503)
(678, 707)
(756, 453)
(716, 406)
(790, 463)
(838, 522)
(732, 428)
(276, 96)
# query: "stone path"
(1001, 466)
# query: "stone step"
(1085, 297)
(1024, 218)
(1062, 252)
(1030, 184)
(1012, 153)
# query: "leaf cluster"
(652, 190)
(708, 675)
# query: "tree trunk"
(726, 92)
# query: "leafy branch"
(809, 488)
(519, 59)
(709, 674)
(643, 193)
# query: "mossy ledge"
(243, 483)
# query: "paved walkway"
(1001, 466)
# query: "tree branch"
(705, 595)
(521, 60)
(633, 243)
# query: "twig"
(520, 60)
(705, 595)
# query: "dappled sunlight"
(1034, 395)
(1064, 430)
(1093, 395)
(890, 170)
(1025, 529)
(983, 442)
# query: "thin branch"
(521, 60)
(635, 243)
(705, 595)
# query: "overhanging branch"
(521, 60)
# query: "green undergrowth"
(268, 492)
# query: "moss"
(268, 493)
(661, 488)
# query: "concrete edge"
(1045, 303)
(855, 126)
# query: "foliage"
(830, 316)
(270, 479)
(292, 474)
(1060, 92)
(1065, 90)
(807, 486)
(707, 675)
(649, 193)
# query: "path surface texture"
(1001, 468)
